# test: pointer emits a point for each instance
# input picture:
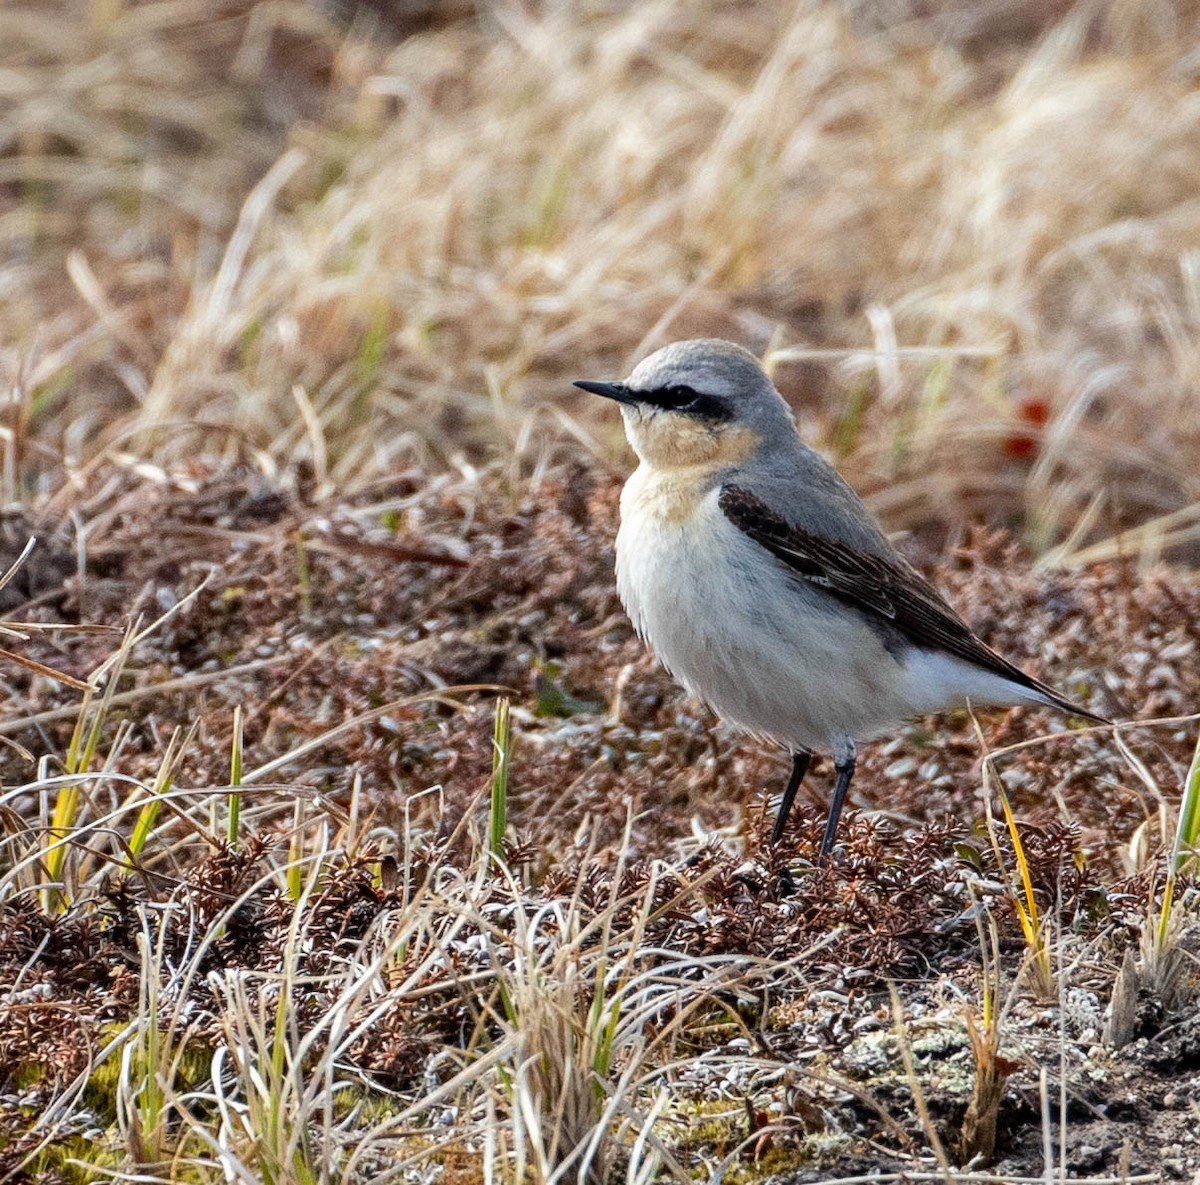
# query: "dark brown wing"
(884, 587)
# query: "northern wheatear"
(764, 584)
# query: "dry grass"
(290, 299)
(970, 228)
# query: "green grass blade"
(502, 748)
(1183, 850)
(147, 816)
(295, 870)
(1187, 834)
(235, 778)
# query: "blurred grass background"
(966, 235)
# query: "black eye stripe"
(688, 401)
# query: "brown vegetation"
(290, 299)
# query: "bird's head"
(705, 402)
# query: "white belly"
(767, 652)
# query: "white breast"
(767, 651)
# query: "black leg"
(800, 763)
(844, 765)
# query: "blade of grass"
(295, 869)
(502, 749)
(303, 575)
(1183, 849)
(39, 668)
(147, 816)
(235, 778)
(15, 566)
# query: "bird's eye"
(678, 398)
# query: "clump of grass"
(977, 1140)
(591, 1015)
(1163, 971)
(1033, 926)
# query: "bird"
(764, 585)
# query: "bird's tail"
(1042, 694)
